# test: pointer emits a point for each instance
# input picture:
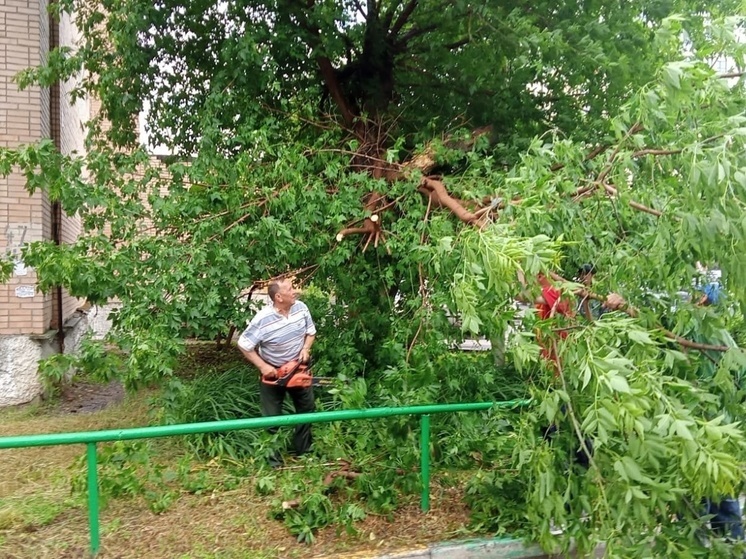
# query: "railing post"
(425, 460)
(93, 504)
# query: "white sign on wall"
(19, 268)
(25, 291)
(15, 238)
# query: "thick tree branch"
(365, 230)
(335, 89)
(437, 190)
(388, 17)
(327, 70)
(403, 18)
(401, 44)
(371, 225)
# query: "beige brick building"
(32, 324)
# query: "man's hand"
(305, 355)
(268, 372)
(305, 352)
(265, 369)
(614, 302)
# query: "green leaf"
(681, 429)
(618, 383)
(640, 337)
(672, 75)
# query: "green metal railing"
(91, 438)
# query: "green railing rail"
(91, 438)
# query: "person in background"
(726, 518)
(552, 303)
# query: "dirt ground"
(87, 397)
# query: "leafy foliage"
(383, 453)
(92, 360)
(6, 270)
(486, 140)
(130, 470)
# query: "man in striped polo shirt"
(282, 331)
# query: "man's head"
(282, 293)
(586, 273)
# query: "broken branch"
(371, 225)
(614, 192)
(437, 190)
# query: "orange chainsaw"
(295, 374)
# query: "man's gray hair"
(274, 289)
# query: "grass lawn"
(225, 515)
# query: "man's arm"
(266, 370)
(247, 343)
(615, 302)
(305, 353)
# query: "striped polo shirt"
(276, 338)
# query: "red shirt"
(552, 305)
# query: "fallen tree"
(411, 158)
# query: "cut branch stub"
(371, 225)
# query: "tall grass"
(217, 396)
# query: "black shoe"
(275, 460)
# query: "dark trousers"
(726, 520)
(271, 399)
(581, 456)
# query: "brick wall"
(24, 118)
